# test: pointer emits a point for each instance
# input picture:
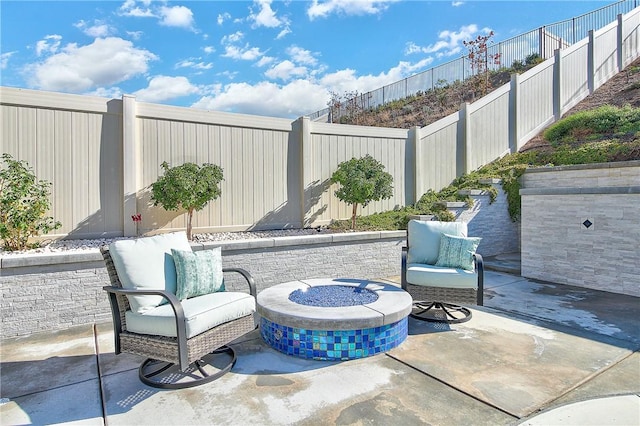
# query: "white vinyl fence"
(102, 155)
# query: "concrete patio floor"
(536, 353)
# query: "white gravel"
(83, 245)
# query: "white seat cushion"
(147, 264)
(438, 276)
(201, 313)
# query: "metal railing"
(542, 41)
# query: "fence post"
(514, 108)
(591, 69)
(557, 86)
(415, 149)
(463, 142)
(304, 141)
(619, 47)
(541, 47)
(130, 166)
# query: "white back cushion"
(424, 239)
(147, 264)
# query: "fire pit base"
(334, 332)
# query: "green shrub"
(362, 180)
(605, 120)
(24, 203)
(187, 186)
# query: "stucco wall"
(581, 226)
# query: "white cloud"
(130, 8)
(99, 29)
(245, 53)
(301, 56)
(265, 17)
(106, 92)
(347, 81)
(223, 17)
(135, 34)
(285, 70)
(457, 3)
(449, 43)
(322, 9)
(4, 59)
(209, 49)
(176, 16)
(194, 63)
(232, 38)
(283, 33)
(49, 44)
(265, 60)
(77, 69)
(162, 88)
(267, 98)
(299, 96)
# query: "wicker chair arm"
(247, 276)
(477, 258)
(403, 271)
(181, 324)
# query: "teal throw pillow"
(198, 273)
(457, 252)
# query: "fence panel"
(254, 160)
(75, 143)
(489, 129)
(631, 37)
(536, 93)
(604, 54)
(436, 146)
(574, 75)
(331, 144)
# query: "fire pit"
(333, 319)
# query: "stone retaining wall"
(55, 292)
(581, 226)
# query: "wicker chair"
(439, 291)
(181, 361)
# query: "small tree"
(23, 204)
(362, 180)
(480, 58)
(187, 186)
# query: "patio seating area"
(529, 351)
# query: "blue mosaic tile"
(333, 345)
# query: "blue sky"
(273, 58)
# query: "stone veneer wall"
(55, 292)
(492, 222)
(581, 226)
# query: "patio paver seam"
(449, 385)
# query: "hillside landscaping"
(604, 127)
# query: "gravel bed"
(84, 245)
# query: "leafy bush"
(24, 203)
(187, 186)
(362, 180)
(605, 120)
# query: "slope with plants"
(604, 127)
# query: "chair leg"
(165, 375)
(440, 312)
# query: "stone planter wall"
(55, 292)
